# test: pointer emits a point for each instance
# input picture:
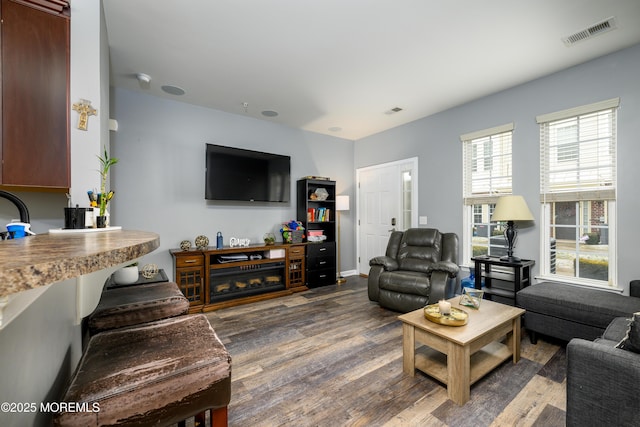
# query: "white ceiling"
(344, 64)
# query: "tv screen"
(236, 174)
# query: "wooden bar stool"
(157, 373)
(134, 305)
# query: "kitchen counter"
(85, 260)
(35, 261)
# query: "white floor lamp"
(342, 204)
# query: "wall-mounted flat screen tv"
(236, 174)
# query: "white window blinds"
(578, 153)
(487, 167)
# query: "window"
(407, 209)
(578, 194)
(487, 170)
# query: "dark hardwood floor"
(330, 357)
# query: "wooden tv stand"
(216, 278)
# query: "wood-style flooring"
(330, 357)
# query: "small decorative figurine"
(202, 242)
(84, 108)
(234, 241)
(149, 271)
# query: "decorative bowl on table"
(456, 316)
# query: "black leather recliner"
(420, 267)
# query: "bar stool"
(120, 307)
(157, 373)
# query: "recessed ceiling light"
(173, 90)
(269, 113)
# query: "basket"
(292, 236)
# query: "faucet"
(22, 208)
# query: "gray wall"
(436, 141)
(159, 180)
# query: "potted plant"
(269, 239)
(103, 198)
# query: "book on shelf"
(318, 215)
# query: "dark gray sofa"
(603, 382)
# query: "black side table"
(503, 282)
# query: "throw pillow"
(631, 341)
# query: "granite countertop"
(35, 261)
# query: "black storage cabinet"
(318, 215)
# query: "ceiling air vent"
(594, 30)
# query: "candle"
(445, 306)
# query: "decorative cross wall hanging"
(84, 108)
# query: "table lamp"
(342, 204)
(511, 209)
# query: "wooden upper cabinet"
(35, 43)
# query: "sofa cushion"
(631, 341)
(617, 329)
(582, 305)
(406, 282)
(615, 332)
(419, 248)
(135, 305)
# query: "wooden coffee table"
(458, 356)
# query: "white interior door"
(386, 202)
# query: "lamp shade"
(511, 208)
(342, 203)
